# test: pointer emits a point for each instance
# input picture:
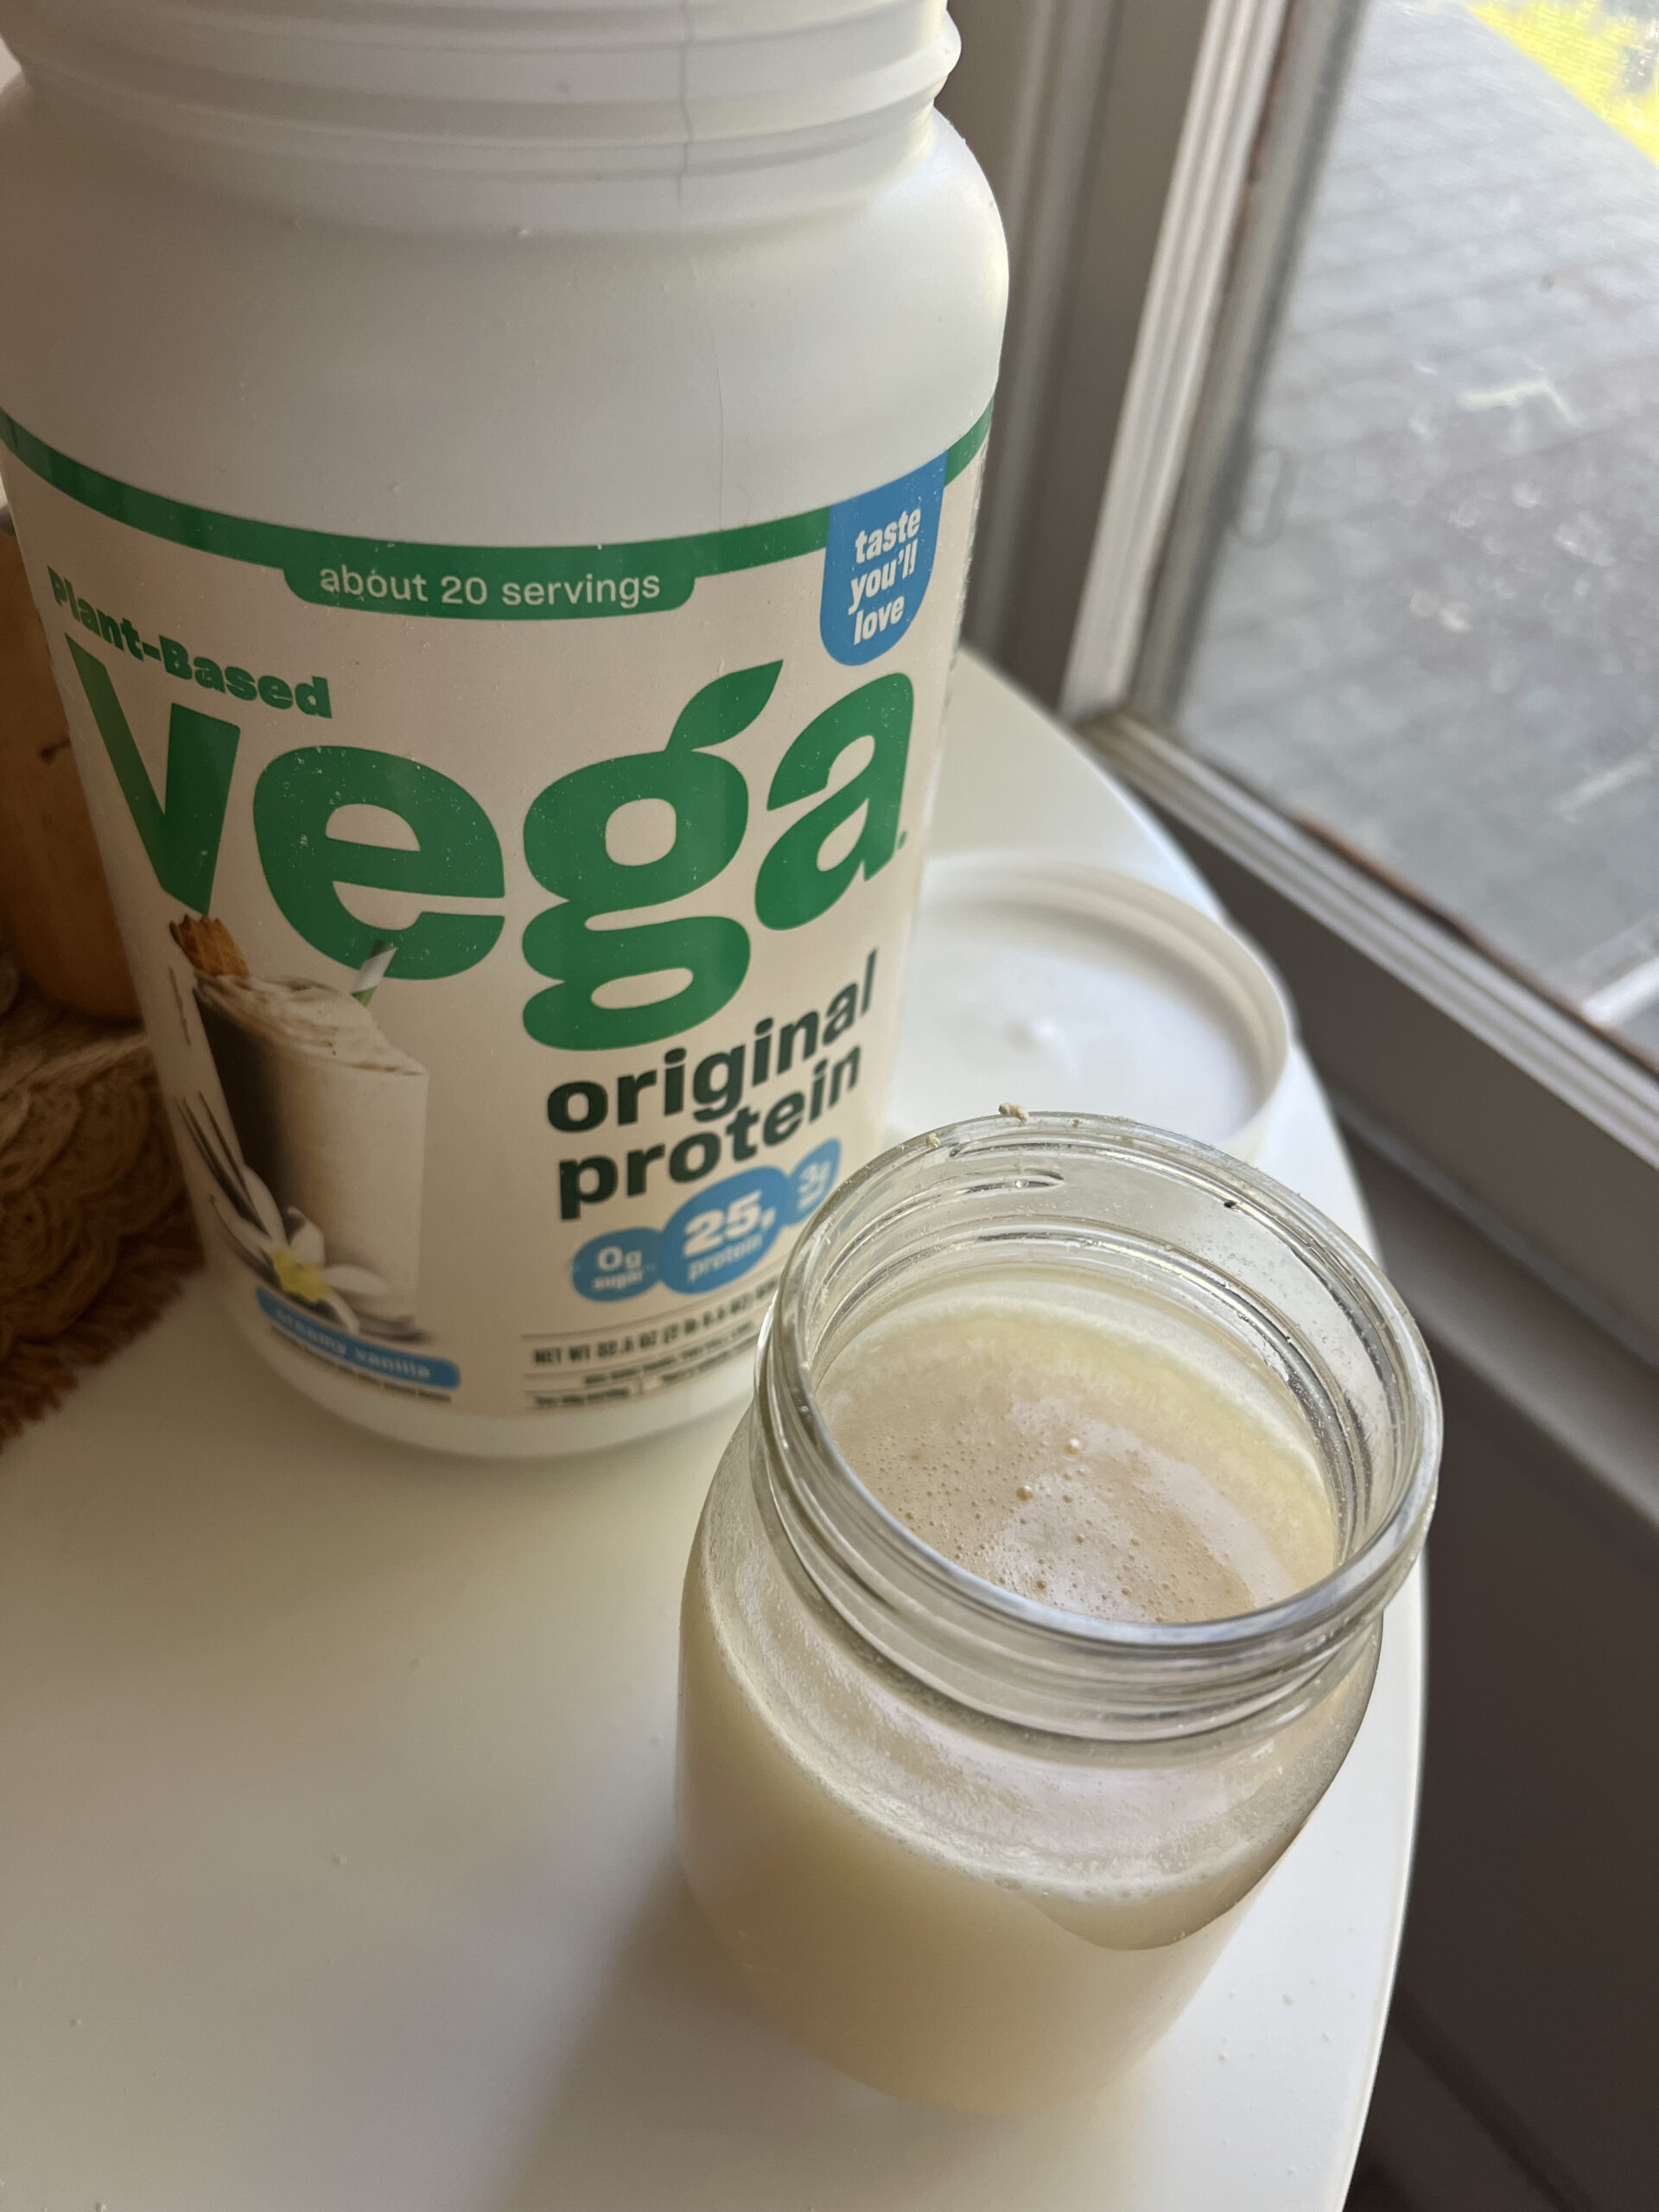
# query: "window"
(1428, 628)
(1362, 590)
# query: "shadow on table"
(681, 2094)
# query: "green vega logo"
(457, 854)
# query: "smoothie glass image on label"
(541, 1144)
(1038, 1598)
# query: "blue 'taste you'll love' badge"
(877, 564)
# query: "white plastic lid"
(1046, 983)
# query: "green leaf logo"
(721, 709)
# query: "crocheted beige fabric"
(95, 1231)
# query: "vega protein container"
(498, 481)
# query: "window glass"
(1431, 630)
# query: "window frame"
(1513, 1112)
(1517, 1117)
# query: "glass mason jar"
(967, 1848)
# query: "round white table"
(337, 1872)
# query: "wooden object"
(54, 904)
(95, 1231)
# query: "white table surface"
(336, 1864)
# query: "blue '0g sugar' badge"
(877, 564)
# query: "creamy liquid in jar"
(931, 1907)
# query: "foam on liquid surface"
(1084, 1453)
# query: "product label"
(519, 929)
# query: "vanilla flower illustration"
(295, 1261)
(292, 1259)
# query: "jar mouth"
(1018, 1190)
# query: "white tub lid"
(1044, 981)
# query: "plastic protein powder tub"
(498, 481)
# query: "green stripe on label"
(478, 583)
